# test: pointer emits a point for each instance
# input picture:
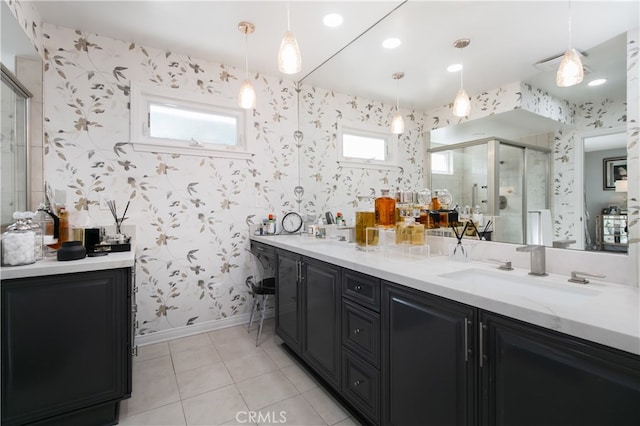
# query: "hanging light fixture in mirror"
(289, 58)
(247, 95)
(570, 71)
(462, 103)
(397, 123)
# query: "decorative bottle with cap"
(385, 209)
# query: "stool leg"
(262, 314)
(253, 309)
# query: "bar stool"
(261, 288)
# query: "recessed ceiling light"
(454, 67)
(391, 43)
(597, 82)
(332, 20)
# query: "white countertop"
(51, 266)
(600, 312)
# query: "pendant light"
(289, 58)
(462, 103)
(247, 95)
(570, 71)
(397, 123)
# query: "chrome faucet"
(580, 277)
(538, 262)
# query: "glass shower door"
(510, 226)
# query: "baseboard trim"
(190, 330)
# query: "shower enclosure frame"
(493, 179)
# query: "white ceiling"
(507, 38)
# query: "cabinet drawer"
(260, 248)
(361, 331)
(361, 385)
(361, 288)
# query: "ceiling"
(507, 39)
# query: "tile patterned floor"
(222, 378)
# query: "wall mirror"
(504, 24)
(14, 132)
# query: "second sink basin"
(526, 287)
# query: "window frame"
(450, 163)
(377, 132)
(141, 97)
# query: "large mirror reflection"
(510, 68)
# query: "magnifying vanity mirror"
(535, 130)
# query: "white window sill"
(366, 165)
(195, 150)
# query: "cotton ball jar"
(18, 243)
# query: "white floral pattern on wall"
(29, 20)
(332, 187)
(189, 211)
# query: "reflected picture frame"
(613, 169)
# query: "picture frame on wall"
(613, 169)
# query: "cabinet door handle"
(482, 356)
(467, 323)
(357, 383)
(356, 331)
(358, 287)
(301, 274)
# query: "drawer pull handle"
(358, 287)
(356, 383)
(356, 331)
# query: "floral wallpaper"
(332, 187)
(29, 19)
(190, 211)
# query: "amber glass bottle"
(385, 208)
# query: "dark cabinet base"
(535, 377)
(103, 414)
(66, 348)
(408, 357)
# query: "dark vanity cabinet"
(308, 311)
(361, 381)
(428, 362)
(288, 300)
(533, 376)
(412, 358)
(66, 347)
(321, 318)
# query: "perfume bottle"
(385, 210)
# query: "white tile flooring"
(222, 378)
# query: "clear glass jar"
(18, 243)
(47, 226)
(39, 253)
(445, 198)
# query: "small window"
(178, 122)
(361, 147)
(442, 163)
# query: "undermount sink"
(526, 287)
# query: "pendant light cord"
(246, 55)
(288, 18)
(462, 69)
(397, 95)
(570, 33)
